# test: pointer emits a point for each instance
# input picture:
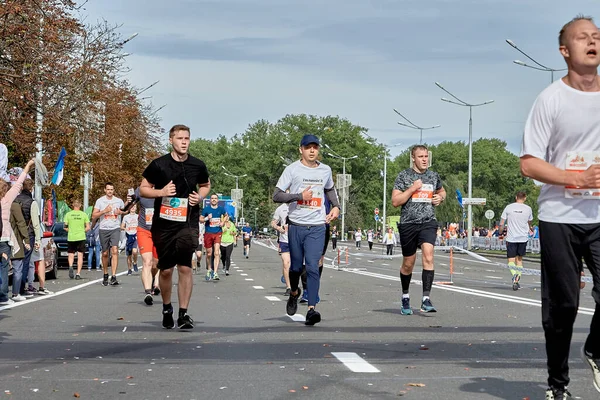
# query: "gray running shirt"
(418, 209)
(109, 221)
(280, 215)
(517, 216)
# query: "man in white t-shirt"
(130, 225)
(358, 237)
(279, 223)
(108, 210)
(308, 181)
(561, 148)
(519, 216)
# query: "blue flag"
(59, 167)
(459, 197)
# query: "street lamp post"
(343, 188)
(237, 177)
(414, 126)
(540, 67)
(255, 227)
(462, 103)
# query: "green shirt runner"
(75, 221)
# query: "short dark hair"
(521, 195)
(28, 184)
(417, 147)
(578, 17)
(177, 128)
(108, 184)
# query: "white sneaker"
(18, 298)
(7, 302)
(44, 291)
(593, 364)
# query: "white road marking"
(371, 261)
(443, 265)
(243, 274)
(65, 291)
(249, 279)
(258, 287)
(298, 317)
(355, 363)
(492, 277)
(385, 264)
(272, 298)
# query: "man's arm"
(87, 226)
(400, 198)
(281, 196)
(98, 213)
(147, 190)
(439, 197)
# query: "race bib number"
(149, 215)
(174, 209)
(579, 161)
(246, 235)
(214, 222)
(315, 203)
(131, 229)
(423, 195)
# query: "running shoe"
(292, 303)
(43, 291)
(558, 394)
(287, 292)
(105, 280)
(114, 281)
(426, 306)
(135, 267)
(148, 299)
(208, 276)
(7, 302)
(185, 322)
(282, 279)
(226, 272)
(18, 298)
(312, 317)
(304, 298)
(216, 277)
(77, 277)
(129, 272)
(593, 363)
(156, 290)
(246, 256)
(515, 283)
(71, 273)
(168, 322)
(406, 310)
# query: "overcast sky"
(224, 64)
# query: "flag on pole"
(59, 167)
(459, 198)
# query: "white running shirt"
(563, 120)
(517, 216)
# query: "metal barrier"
(486, 243)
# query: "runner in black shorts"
(173, 181)
(418, 190)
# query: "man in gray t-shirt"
(418, 190)
(519, 216)
(108, 210)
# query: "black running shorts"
(413, 236)
(514, 249)
(175, 247)
(76, 247)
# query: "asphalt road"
(485, 341)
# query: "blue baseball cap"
(308, 139)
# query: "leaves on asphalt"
(416, 384)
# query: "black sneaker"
(185, 322)
(156, 291)
(558, 394)
(312, 317)
(105, 280)
(114, 281)
(292, 303)
(148, 299)
(71, 273)
(168, 322)
(287, 292)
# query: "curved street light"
(540, 67)
(462, 103)
(414, 126)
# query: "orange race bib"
(149, 215)
(214, 222)
(315, 203)
(174, 209)
(423, 195)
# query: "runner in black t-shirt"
(173, 181)
(418, 190)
